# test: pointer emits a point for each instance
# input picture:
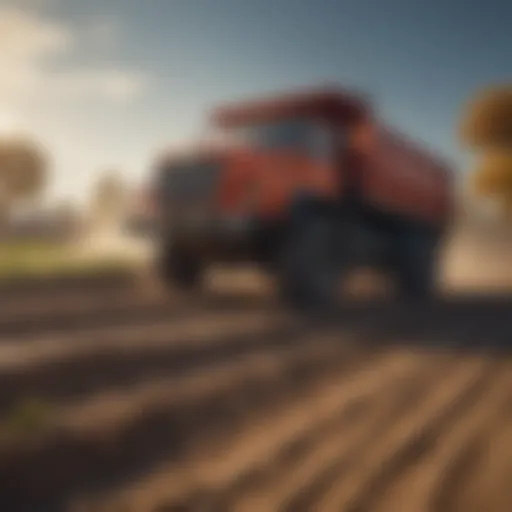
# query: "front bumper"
(219, 237)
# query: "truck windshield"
(286, 134)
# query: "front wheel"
(308, 270)
(177, 268)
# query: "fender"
(304, 205)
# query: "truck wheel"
(178, 268)
(416, 262)
(308, 277)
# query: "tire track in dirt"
(337, 457)
(89, 312)
(421, 483)
(298, 481)
(408, 439)
(40, 349)
(19, 288)
(456, 322)
(158, 427)
(117, 308)
(125, 359)
(483, 483)
(64, 303)
(251, 459)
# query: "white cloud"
(46, 94)
(24, 36)
(103, 32)
(115, 85)
(29, 43)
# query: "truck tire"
(308, 277)
(416, 264)
(177, 268)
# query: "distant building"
(55, 226)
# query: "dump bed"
(398, 175)
(401, 176)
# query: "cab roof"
(332, 103)
(189, 151)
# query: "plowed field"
(116, 400)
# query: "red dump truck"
(308, 185)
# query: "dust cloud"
(477, 255)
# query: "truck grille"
(188, 190)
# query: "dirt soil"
(116, 399)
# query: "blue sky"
(108, 82)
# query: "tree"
(487, 127)
(109, 197)
(488, 119)
(23, 169)
(4, 205)
(492, 179)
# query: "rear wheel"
(416, 264)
